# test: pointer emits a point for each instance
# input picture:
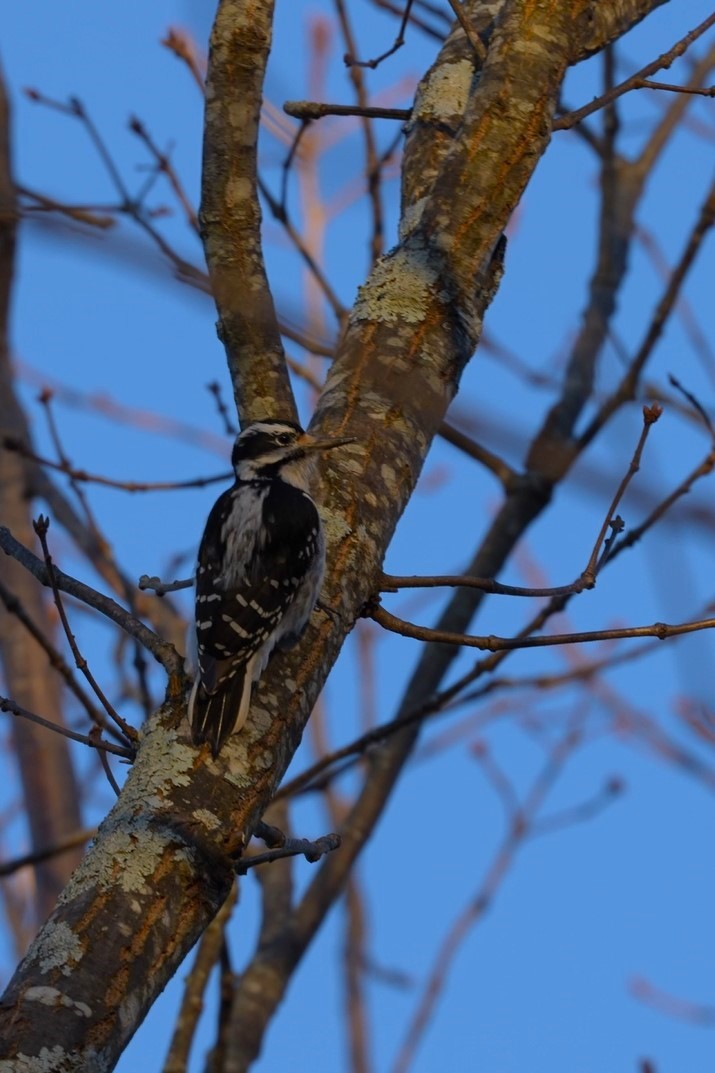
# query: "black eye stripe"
(260, 438)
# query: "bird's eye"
(284, 438)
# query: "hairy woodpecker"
(259, 572)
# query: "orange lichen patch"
(144, 933)
(364, 360)
(521, 149)
(116, 991)
(95, 906)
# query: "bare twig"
(626, 389)
(76, 108)
(41, 526)
(344, 757)
(650, 415)
(7, 868)
(178, 42)
(340, 760)
(695, 403)
(7, 705)
(13, 605)
(149, 421)
(162, 651)
(643, 730)
(155, 584)
(692, 1012)
(45, 400)
(307, 110)
(280, 213)
(661, 630)
(492, 462)
(704, 469)
(584, 671)
(635, 81)
(84, 214)
(292, 847)
(229, 424)
(300, 369)
(372, 169)
(587, 810)
(698, 338)
(496, 777)
(290, 157)
(393, 582)
(325, 769)
(351, 59)
(473, 38)
(132, 206)
(100, 542)
(700, 91)
(432, 9)
(104, 760)
(165, 167)
(586, 580)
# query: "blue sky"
(543, 980)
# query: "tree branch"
(78, 474)
(491, 643)
(318, 110)
(163, 652)
(93, 741)
(230, 214)
(291, 847)
(14, 607)
(79, 838)
(41, 526)
(638, 80)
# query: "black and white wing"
(246, 596)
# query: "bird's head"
(271, 448)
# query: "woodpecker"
(259, 572)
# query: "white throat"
(299, 472)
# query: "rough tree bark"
(162, 864)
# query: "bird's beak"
(311, 443)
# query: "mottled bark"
(600, 23)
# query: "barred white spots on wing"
(259, 572)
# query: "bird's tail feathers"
(215, 716)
